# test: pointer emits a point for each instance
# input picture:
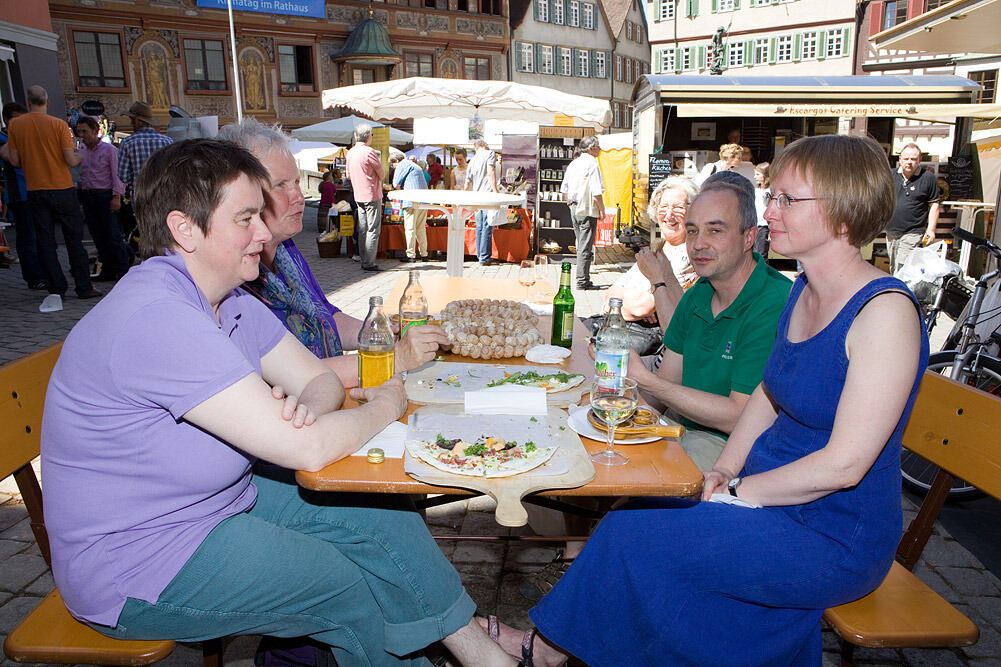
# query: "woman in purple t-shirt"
(165, 396)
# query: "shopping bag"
(924, 269)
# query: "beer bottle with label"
(413, 305)
(375, 346)
(563, 310)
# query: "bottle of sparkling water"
(611, 356)
(375, 346)
(413, 305)
(563, 310)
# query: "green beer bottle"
(563, 311)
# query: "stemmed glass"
(526, 275)
(541, 266)
(613, 400)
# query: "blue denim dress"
(675, 583)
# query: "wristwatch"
(653, 288)
(732, 486)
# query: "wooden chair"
(49, 634)
(955, 427)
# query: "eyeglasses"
(784, 201)
(673, 207)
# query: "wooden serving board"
(508, 491)
(632, 429)
(419, 389)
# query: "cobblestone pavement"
(491, 571)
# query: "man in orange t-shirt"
(43, 147)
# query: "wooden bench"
(49, 634)
(955, 427)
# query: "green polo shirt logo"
(727, 352)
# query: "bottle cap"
(376, 455)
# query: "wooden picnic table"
(660, 468)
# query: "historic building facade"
(596, 48)
(174, 52)
(28, 52)
(756, 37)
(880, 15)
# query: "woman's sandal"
(537, 585)
(527, 641)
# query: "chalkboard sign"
(660, 168)
(961, 178)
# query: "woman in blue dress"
(817, 448)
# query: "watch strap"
(732, 486)
(656, 286)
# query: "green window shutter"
(736, 4)
(594, 18)
(658, 61)
(518, 65)
(748, 53)
(693, 8)
(702, 58)
(575, 64)
(715, 6)
(821, 45)
(772, 47)
(797, 47)
(538, 58)
(594, 63)
(535, 8)
(656, 10)
(846, 46)
(677, 59)
(566, 13)
(608, 64)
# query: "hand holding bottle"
(418, 346)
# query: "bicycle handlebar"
(979, 242)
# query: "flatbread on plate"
(551, 382)
(487, 457)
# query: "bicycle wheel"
(918, 473)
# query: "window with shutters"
(629, 70)
(589, 16)
(667, 9)
(618, 68)
(736, 58)
(783, 48)
(638, 34)
(99, 62)
(934, 4)
(835, 44)
(761, 51)
(558, 12)
(809, 51)
(542, 7)
(629, 30)
(527, 57)
(989, 80)
(566, 61)
(546, 64)
(419, 64)
(668, 60)
(894, 12)
(725, 6)
(584, 62)
(477, 68)
(760, 3)
(686, 59)
(618, 114)
(599, 64)
(574, 18)
(205, 64)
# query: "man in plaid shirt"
(136, 149)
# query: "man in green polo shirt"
(723, 328)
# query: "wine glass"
(526, 275)
(541, 269)
(613, 400)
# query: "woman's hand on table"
(292, 410)
(418, 346)
(715, 482)
(390, 394)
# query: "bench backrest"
(22, 396)
(958, 428)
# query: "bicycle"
(970, 356)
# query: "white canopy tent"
(455, 131)
(423, 97)
(341, 131)
(306, 153)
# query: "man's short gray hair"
(587, 143)
(743, 189)
(37, 96)
(256, 137)
(363, 133)
(679, 183)
(480, 143)
(914, 146)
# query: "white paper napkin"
(727, 499)
(506, 400)
(390, 440)
(547, 354)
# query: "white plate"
(579, 422)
